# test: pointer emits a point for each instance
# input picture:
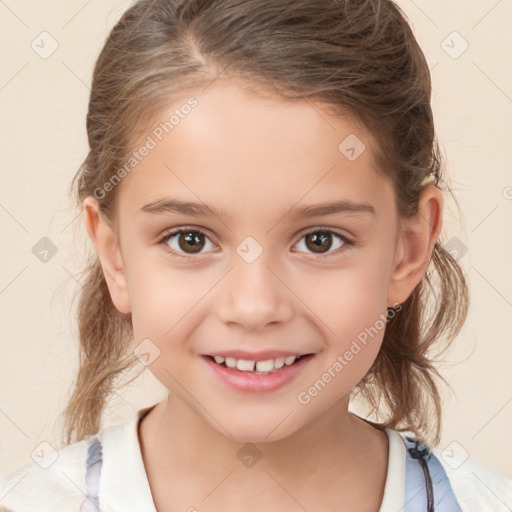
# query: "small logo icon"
(249, 455)
(44, 45)
(249, 249)
(352, 147)
(454, 45)
(146, 352)
(456, 248)
(44, 455)
(44, 250)
(455, 455)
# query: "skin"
(257, 158)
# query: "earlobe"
(417, 238)
(109, 252)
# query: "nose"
(255, 295)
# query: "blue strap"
(427, 487)
(92, 476)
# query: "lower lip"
(257, 383)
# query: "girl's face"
(293, 246)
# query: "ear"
(109, 253)
(416, 241)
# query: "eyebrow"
(203, 210)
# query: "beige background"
(43, 107)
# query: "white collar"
(394, 488)
(125, 486)
(124, 482)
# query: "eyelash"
(167, 236)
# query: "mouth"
(264, 367)
(257, 376)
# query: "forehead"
(243, 152)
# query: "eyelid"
(337, 231)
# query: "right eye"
(184, 239)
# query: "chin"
(266, 430)
(256, 436)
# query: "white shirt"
(50, 485)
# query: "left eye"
(320, 239)
(192, 241)
(187, 239)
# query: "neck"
(334, 449)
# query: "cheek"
(166, 301)
(352, 311)
(351, 298)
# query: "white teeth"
(230, 362)
(267, 366)
(245, 366)
(279, 362)
(289, 360)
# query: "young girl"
(263, 191)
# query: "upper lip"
(256, 356)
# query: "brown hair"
(356, 57)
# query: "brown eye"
(318, 241)
(190, 240)
(184, 242)
(321, 241)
